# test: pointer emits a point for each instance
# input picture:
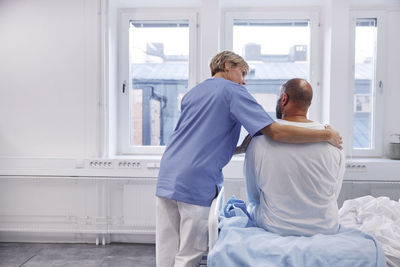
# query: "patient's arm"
(292, 134)
(243, 147)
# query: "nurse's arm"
(295, 135)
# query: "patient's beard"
(278, 109)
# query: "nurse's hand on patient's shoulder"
(334, 137)
(243, 147)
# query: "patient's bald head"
(295, 97)
(299, 91)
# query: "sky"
(273, 40)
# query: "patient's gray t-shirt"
(293, 188)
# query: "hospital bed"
(213, 220)
(240, 244)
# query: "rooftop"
(258, 70)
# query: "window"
(156, 74)
(367, 138)
(276, 48)
(155, 70)
(159, 71)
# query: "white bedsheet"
(241, 244)
(379, 217)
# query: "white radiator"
(139, 205)
(78, 205)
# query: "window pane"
(159, 71)
(276, 51)
(364, 80)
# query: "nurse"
(202, 143)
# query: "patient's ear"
(285, 99)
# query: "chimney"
(298, 53)
(252, 52)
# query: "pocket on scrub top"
(201, 241)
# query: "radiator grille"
(139, 205)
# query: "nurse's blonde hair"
(217, 63)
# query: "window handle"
(380, 86)
(123, 87)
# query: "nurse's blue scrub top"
(205, 138)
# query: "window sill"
(357, 169)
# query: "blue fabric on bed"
(237, 207)
(240, 244)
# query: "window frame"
(377, 94)
(125, 16)
(315, 62)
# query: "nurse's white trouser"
(181, 233)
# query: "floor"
(82, 255)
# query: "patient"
(293, 188)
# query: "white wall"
(49, 78)
(391, 87)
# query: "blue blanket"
(241, 244)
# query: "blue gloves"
(235, 207)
